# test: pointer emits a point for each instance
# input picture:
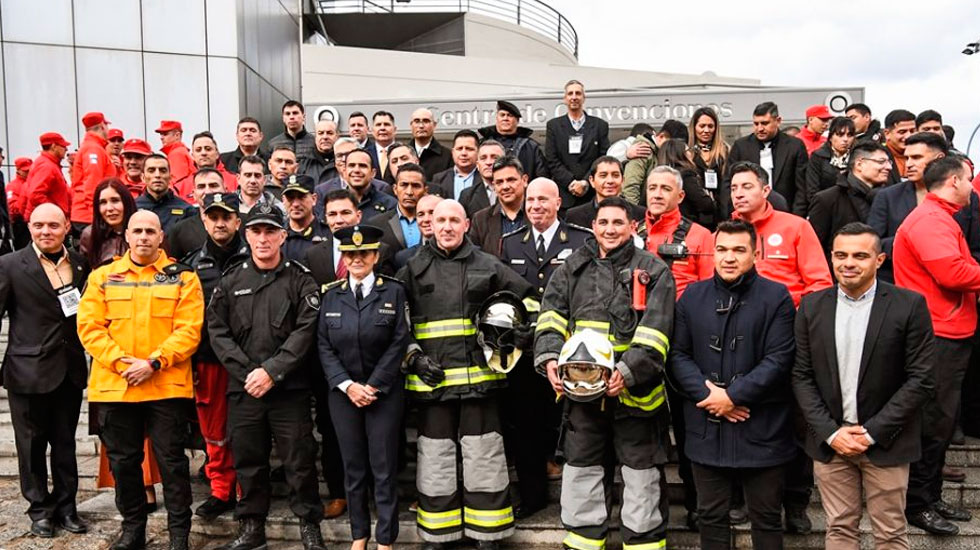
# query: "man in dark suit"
(864, 352)
(532, 417)
(383, 136)
(572, 143)
(477, 197)
(783, 156)
(433, 157)
(400, 225)
(357, 129)
(398, 154)
(454, 181)
(44, 368)
(606, 179)
(492, 223)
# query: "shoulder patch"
(177, 267)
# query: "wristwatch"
(156, 364)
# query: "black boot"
(131, 539)
(213, 507)
(251, 535)
(178, 541)
(309, 533)
(797, 522)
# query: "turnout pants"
(940, 415)
(212, 414)
(479, 504)
(253, 424)
(589, 430)
(41, 420)
(123, 426)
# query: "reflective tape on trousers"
(489, 519)
(440, 520)
(578, 542)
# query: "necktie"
(341, 269)
(541, 248)
(359, 292)
(383, 160)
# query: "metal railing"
(530, 14)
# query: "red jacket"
(790, 253)
(931, 256)
(698, 240)
(184, 187)
(180, 160)
(15, 191)
(811, 139)
(92, 165)
(45, 183)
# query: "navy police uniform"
(362, 339)
(298, 242)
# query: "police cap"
(225, 201)
(265, 214)
(359, 237)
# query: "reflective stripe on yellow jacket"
(149, 312)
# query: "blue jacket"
(365, 342)
(750, 348)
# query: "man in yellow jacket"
(140, 318)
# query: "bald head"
(449, 224)
(48, 226)
(423, 125)
(144, 235)
(424, 211)
(541, 202)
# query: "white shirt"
(367, 285)
(548, 234)
(336, 254)
(850, 327)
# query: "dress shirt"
(577, 123)
(336, 254)
(367, 284)
(850, 328)
(507, 225)
(410, 229)
(461, 181)
(59, 275)
(548, 234)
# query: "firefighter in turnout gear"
(447, 282)
(627, 294)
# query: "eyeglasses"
(421, 121)
(880, 162)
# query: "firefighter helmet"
(584, 365)
(499, 315)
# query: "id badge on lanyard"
(69, 297)
(575, 144)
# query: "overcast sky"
(905, 53)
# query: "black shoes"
(738, 516)
(131, 539)
(213, 507)
(178, 541)
(525, 511)
(487, 545)
(309, 533)
(433, 546)
(251, 535)
(73, 524)
(931, 522)
(43, 528)
(952, 513)
(797, 522)
(692, 520)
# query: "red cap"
(91, 119)
(53, 138)
(114, 133)
(168, 125)
(819, 111)
(23, 163)
(137, 146)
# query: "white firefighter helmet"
(584, 365)
(499, 315)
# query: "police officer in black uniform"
(262, 322)
(532, 417)
(362, 340)
(304, 229)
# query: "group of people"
(314, 281)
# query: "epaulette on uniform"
(177, 268)
(302, 267)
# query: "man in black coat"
(400, 225)
(850, 199)
(249, 137)
(452, 182)
(489, 225)
(44, 368)
(516, 139)
(731, 358)
(433, 157)
(783, 156)
(572, 143)
(481, 195)
(864, 353)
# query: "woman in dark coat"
(697, 206)
(105, 238)
(829, 161)
(362, 340)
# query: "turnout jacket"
(592, 293)
(264, 320)
(209, 269)
(445, 292)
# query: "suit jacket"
(788, 167)
(434, 159)
(519, 251)
(892, 204)
(895, 378)
(442, 184)
(584, 214)
(43, 346)
(847, 201)
(565, 166)
(393, 236)
(486, 230)
(474, 198)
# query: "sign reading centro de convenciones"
(619, 109)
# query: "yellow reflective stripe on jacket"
(459, 376)
(552, 320)
(603, 327)
(439, 520)
(488, 518)
(532, 305)
(444, 329)
(578, 542)
(652, 338)
(648, 402)
(658, 545)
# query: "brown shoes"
(334, 508)
(554, 471)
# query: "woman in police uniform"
(362, 340)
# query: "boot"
(309, 533)
(213, 507)
(251, 535)
(178, 541)
(131, 539)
